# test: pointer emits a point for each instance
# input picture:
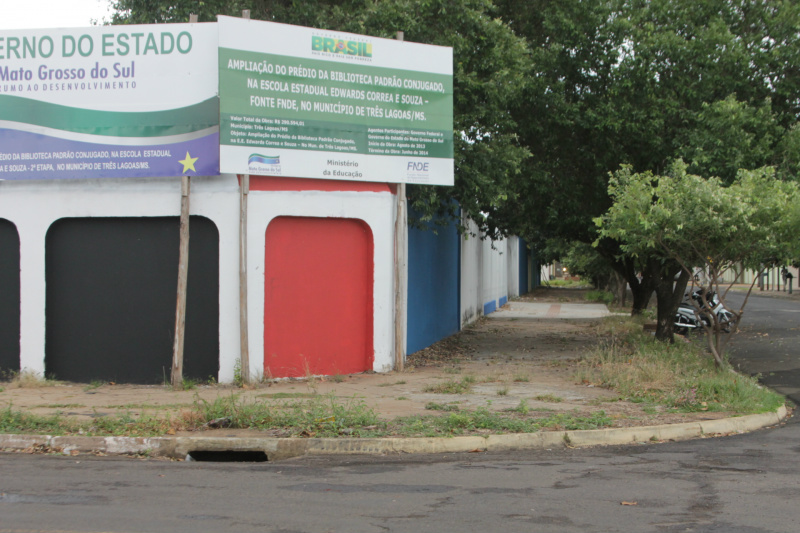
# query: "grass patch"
(521, 378)
(549, 398)
(452, 386)
(124, 424)
(187, 384)
(522, 408)
(503, 391)
(433, 406)
(567, 283)
(679, 376)
(321, 416)
(483, 421)
(602, 297)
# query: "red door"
(318, 297)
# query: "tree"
(691, 224)
(643, 82)
(488, 62)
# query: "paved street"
(768, 343)
(740, 484)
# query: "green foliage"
(188, 384)
(701, 223)
(731, 135)
(568, 283)
(522, 408)
(698, 223)
(582, 259)
(603, 297)
(643, 82)
(238, 380)
(433, 406)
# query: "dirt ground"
(508, 359)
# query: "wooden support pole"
(244, 354)
(183, 278)
(401, 248)
(244, 343)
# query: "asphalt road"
(740, 484)
(769, 341)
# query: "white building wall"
(495, 274)
(484, 275)
(512, 267)
(34, 205)
(471, 274)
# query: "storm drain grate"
(229, 456)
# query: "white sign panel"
(109, 101)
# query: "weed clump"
(679, 376)
(452, 386)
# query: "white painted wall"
(773, 279)
(484, 274)
(494, 278)
(34, 205)
(471, 269)
(512, 267)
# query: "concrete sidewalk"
(524, 309)
(524, 352)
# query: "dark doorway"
(9, 299)
(111, 291)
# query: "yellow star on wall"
(188, 163)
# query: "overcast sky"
(26, 14)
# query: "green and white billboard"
(310, 103)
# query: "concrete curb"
(278, 448)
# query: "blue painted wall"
(433, 285)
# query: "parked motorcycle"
(699, 315)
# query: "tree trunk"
(669, 293)
(642, 289)
(628, 268)
(618, 286)
(642, 292)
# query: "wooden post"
(244, 354)
(400, 252)
(244, 343)
(183, 279)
